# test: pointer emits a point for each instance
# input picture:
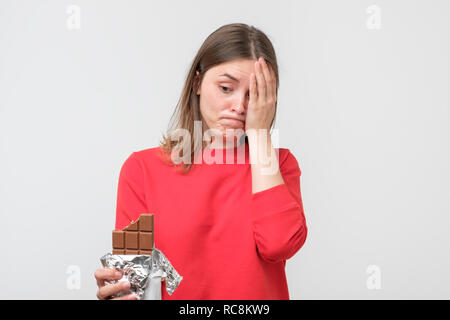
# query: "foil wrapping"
(138, 269)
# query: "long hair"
(229, 42)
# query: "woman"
(227, 229)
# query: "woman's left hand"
(263, 97)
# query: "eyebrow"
(229, 76)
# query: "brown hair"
(229, 42)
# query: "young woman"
(226, 227)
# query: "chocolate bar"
(136, 238)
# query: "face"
(225, 93)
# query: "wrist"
(261, 135)
(260, 147)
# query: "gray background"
(365, 111)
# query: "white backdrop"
(363, 105)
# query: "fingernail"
(118, 274)
(125, 285)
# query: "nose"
(239, 108)
(239, 104)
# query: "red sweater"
(225, 242)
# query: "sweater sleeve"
(278, 220)
(130, 192)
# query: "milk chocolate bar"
(136, 238)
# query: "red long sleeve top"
(225, 242)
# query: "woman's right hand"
(105, 291)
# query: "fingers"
(112, 289)
(266, 80)
(269, 77)
(253, 90)
(130, 296)
(261, 83)
(107, 274)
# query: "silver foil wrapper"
(139, 269)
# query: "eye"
(226, 88)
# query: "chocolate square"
(146, 222)
(145, 240)
(131, 240)
(118, 239)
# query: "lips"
(234, 121)
(231, 118)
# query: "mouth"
(235, 120)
